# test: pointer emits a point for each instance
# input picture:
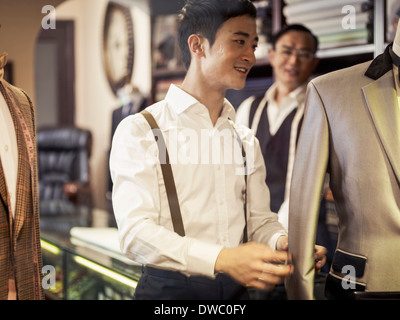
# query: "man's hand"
(320, 257)
(254, 265)
(282, 244)
(319, 252)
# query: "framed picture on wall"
(166, 54)
(162, 86)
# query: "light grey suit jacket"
(351, 130)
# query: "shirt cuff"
(202, 257)
(274, 239)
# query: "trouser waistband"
(223, 278)
(158, 283)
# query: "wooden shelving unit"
(330, 59)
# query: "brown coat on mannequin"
(20, 242)
(352, 131)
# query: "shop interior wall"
(20, 24)
(20, 21)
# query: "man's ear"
(195, 43)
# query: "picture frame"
(166, 54)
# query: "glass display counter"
(84, 265)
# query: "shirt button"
(6, 148)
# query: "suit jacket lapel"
(23, 181)
(382, 103)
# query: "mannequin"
(20, 250)
(351, 128)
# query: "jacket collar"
(381, 64)
(381, 99)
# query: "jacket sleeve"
(306, 193)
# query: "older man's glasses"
(301, 54)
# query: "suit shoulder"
(348, 74)
(19, 93)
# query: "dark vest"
(275, 150)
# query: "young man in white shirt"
(210, 261)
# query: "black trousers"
(158, 284)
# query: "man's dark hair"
(205, 17)
(294, 27)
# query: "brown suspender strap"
(170, 184)
(168, 177)
(245, 196)
(245, 239)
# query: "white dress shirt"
(8, 151)
(277, 113)
(207, 166)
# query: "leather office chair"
(64, 177)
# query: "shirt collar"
(296, 95)
(181, 101)
(3, 62)
(299, 93)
